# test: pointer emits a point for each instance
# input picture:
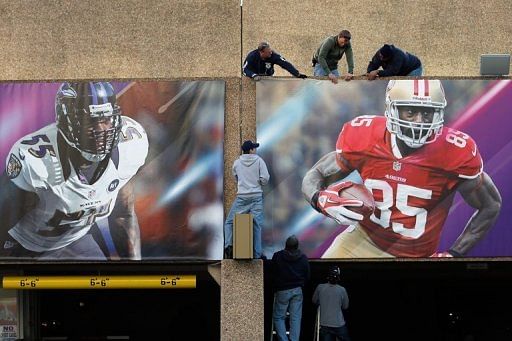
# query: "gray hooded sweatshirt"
(251, 173)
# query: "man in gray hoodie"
(251, 173)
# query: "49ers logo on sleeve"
(13, 167)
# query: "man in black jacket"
(290, 272)
(260, 62)
(394, 62)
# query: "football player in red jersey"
(413, 166)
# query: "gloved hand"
(301, 75)
(372, 75)
(329, 203)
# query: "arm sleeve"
(279, 60)
(327, 45)
(264, 175)
(273, 268)
(350, 59)
(469, 163)
(374, 63)
(393, 69)
(248, 63)
(347, 160)
(233, 170)
(14, 204)
(308, 271)
(20, 172)
(315, 296)
(344, 304)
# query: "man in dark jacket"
(260, 62)
(291, 271)
(394, 62)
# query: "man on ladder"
(332, 298)
(290, 273)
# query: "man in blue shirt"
(260, 62)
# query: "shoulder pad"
(131, 130)
(133, 147)
(360, 134)
(33, 158)
(465, 159)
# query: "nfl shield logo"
(397, 166)
(92, 194)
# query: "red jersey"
(413, 193)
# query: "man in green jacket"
(326, 58)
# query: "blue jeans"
(254, 206)
(331, 333)
(416, 72)
(319, 71)
(290, 300)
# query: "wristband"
(314, 201)
(455, 253)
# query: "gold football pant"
(354, 242)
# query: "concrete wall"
(63, 39)
(447, 35)
(84, 39)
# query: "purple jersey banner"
(434, 155)
(111, 170)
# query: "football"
(359, 192)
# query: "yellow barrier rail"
(100, 282)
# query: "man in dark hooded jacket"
(290, 273)
(394, 62)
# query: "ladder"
(316, 333)
(273, 333)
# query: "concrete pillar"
(242, 301)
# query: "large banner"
(435, 155)
(111, 170)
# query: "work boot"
(228, 252)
